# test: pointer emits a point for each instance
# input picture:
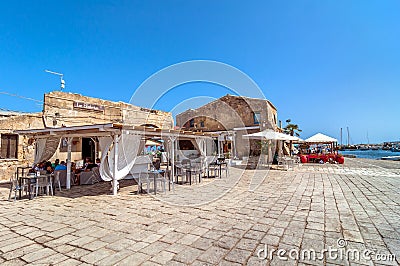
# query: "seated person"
(90, 166)
(57, 162)
(49, 169)
(60, 166)
(87, 168)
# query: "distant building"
(233, 117)
(68, 109)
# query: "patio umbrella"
(321, 138)
(152, 143)
(272, 135)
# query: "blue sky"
(324, 64)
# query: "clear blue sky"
(324, 64)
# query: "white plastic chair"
(44, 182)
(57, 177)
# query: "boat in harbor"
(391, 158)
(395, 148)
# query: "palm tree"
(292, 130)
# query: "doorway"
(88, 149)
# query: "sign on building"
(89, 106)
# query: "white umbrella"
(320, 138)
(152, 143)
(270, 134)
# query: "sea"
(371, 154)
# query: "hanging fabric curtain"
(129, 144)
(167, 147)
(201, 145)
(141, 146)
(105, 144)
(211, 147)
(45, 148)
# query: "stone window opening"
(257, 118)
(9, 146)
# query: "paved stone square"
(228, 221)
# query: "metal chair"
(15, 187)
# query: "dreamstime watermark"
(340, 252)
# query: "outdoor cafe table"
(154, 174)
(33, 179)
(217, 163)
(196, 170)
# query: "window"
(9, 145)
(191, 123)
(257, 118)
(201, 123)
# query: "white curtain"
(45, 148)
(129, 144)
(211, 147)
(141, 147)
(201, 145)
(105, 144)
(167, 147)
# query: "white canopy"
(320, 138)
(270, 134)
(119, 145)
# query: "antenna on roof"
(62, 86)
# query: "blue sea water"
(371, 154)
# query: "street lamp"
(61, 77)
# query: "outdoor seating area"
(320, 149)
(121, 158)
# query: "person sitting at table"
(39, 166)
(90, 166)
(87, 168)
(87, 162)
(60, 166)
(48, 167)
(56, 162)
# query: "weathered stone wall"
(59, 110)
(230, 112)
(25, 148)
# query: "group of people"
(50, 167)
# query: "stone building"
(68, 109)
(232, 117)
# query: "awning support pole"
(69, 149)
(115, 181)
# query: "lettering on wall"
(89, 106)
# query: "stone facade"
(237, 114)
(25, 153)
(69, 109)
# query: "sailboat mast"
(341, 135)
(348, 137)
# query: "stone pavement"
(226, 221)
